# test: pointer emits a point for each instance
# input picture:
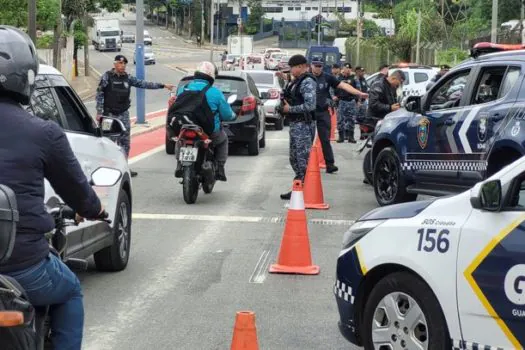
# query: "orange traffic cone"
(313, 188)
(320, 155)
(333, 124)
(244, 332)
(294, 255)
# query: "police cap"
(359, 68)
(444, 66)
(317, 61)
(347, 65)
(335, 65)
(297, 60)
(121, 58)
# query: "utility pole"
(212, 16)
(140, 71)
(521, 21)
(494, 32)
(418, 35)
(359, 30)
(86, 47)
(31, 21)
(57, 50)
(319, 24)
(202, 21)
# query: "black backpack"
(191, 107)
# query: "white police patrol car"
(438, 274)
(55, 100)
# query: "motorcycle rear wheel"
(190, 185)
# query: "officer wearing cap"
(322, 117)
(113, 96)
(444, 68)
(298, 108)
(347, 107)
(360, 84)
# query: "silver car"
(270, 87)
(149, 56)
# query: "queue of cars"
(447, 272)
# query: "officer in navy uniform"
(347, 107)
(113, 96)
(360, 84)
(322, 116)
(298, 107)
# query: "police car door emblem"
(515, 129)
(482, 129)
(422, 132)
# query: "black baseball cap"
(359, 68)
(121, 58)
(347, 65)
(297, 60)
(335, 65)
(444, 66)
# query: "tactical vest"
(294, 98)
(116, 94)
(342, 94)
(323, 93)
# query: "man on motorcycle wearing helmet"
(204, 76)
(31, 150)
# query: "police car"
(464, 129)
(446, 273)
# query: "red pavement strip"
(147, 141)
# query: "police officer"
(336, 70)
(31, 150)
(113, 94)
(322, 116)
(298, 107)
(347, 107)
(360, 84)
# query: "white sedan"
(445, 273)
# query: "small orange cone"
(333, 124)
(320, 155)
(313, 187)
(294, 255)
(244, 332)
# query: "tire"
(253, 146)
(262, 142)
(279, 124)
(367, 168)
(170, 146)
(190, 185)
(207, 187)
(398, 194)
(116, 256)
(409, 293)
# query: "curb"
(148, 130)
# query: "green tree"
(255, 17)
(111, 5)
(46, 14)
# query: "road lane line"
(144, 155)
(237, 219)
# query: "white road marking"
(236, 219)
(145, 154)
(260, 272)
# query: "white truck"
(106, 34)
(240, 44)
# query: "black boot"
(341, 138)
(221, 173)
(286, 195)
(133, 173)
(351, 137)
(331, 168)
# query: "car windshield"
(110, 33)
(148, 50)
(262, 78)
(254, 59)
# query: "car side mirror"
(487, 196)
(105, 177)
(413, 104)
(111, 127)
(8, 222)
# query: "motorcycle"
(65, 216)
(197, 158)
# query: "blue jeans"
(51, 282)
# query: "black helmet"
(18, 64)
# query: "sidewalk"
(154, 121)
(85, 87)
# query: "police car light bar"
(486, 47)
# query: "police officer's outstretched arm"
(143, 84)
(63, 171)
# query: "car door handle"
(449, 121)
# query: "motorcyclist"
(204, 75)
(31, 150)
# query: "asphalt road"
(188, 276)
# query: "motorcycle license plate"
(188, 154)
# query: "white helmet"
(207, 68)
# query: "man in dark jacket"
(382, 98)
(31, 150)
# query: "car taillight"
(273, 94)
(248, 104)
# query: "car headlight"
(358, 230)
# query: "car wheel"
(403, 312)
(116, 256)
(367, 167)
(279, 123)
(253, 146)
(170, 145)
(389, 183)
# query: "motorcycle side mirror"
(105, 177)
(232, 98)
